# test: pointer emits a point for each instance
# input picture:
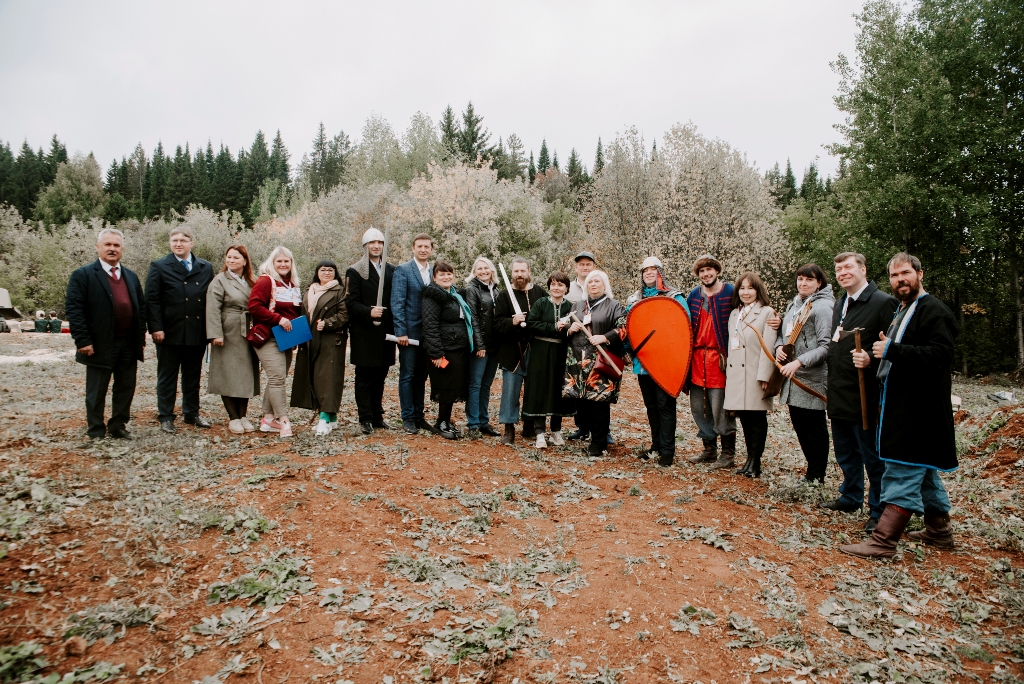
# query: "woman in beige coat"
(749, 368)
(234, 369)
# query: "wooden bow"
(768, 353)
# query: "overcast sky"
(106, 75)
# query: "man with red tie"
(106, 313)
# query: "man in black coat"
(106, 312)
(371, 354)
(176, 302)
(862, 306)
(514, 344)
(915, 430)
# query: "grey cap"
(585, 255)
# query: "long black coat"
(89, 305)
(513, 339)
(916, 423)
(176, 299)
(478, 296)
(873, 311)
(368, 345)
(444, 329)
(320, 363)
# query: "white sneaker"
(270, 425)
(556, 438)
(236, 426)
(541, 444)
(322, 428)
(246, 425)
(286, 427)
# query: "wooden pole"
(863, 388)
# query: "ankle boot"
(754, 468)
(529, 429)
(728, 457)
(882, 543)
(710, 452)
(510, 434)
(937, 531)
(744, 470)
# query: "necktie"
(188, 267)
(116, 272)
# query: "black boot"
(753, 469)
(510, 434)
(745, 470)
(529, 429)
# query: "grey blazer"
(811, 348)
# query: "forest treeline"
(930, 162)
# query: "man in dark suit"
(368, 323)
(106, 312)
(407, 313)
(176, 303)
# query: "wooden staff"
(599, 348)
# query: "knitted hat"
(372, 235)
(650, 261)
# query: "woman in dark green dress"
(546, 372)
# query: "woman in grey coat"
(807, 326)
(234, 369)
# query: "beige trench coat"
(748, 366)
(234, 368)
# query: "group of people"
(877, 367)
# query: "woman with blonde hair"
(599, 321)
(275, 300)
(481, 293)
(234, 369)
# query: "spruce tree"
(554, 160)
(789, 192)
(255, 171)
(514, 163)
(473, 137)
(532, 168)
(57, 155)
(26, 180)
(200, 179)
(6, 172)
(224, 181)
(450, 134)
(544, 159)
(178, 184)
(279, 167)
(110, 182)
(575, 171)
(156, 177)
(599, 158)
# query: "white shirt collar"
(108, 268)
(859, 292)
(187, 260)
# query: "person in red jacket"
(276, 300)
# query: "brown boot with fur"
(882, 543)
(937, 531)
(728, 457)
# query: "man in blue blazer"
(406, 287)
(176, 302)
(106, 312)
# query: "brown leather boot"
(710, 452)
(510, 434)
(728, 457)
(882, 543)
(936, 531)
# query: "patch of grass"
(233, 625)
(20, 661)
(269, 583)
(248, 522)
(690, 618)
(482, 641)
(109, 621)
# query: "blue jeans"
(481, 375)
(914, 488)
(511, 389)
(855, 453)
(412, 380)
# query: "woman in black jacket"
(448, 338)
(481, 291)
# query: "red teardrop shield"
(660, 329)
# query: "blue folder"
(300, 333)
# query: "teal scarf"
(467, 315)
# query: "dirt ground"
(207, 557)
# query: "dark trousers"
(97, 380)
(581, 419)
(538, 423)
(661, 414)
(598, 417)
(412, 381)
(370, 393)
(811, 429)
(170, 358)
(237, 407)
(855, 453)
(755, 432)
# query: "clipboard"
(300, 333)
